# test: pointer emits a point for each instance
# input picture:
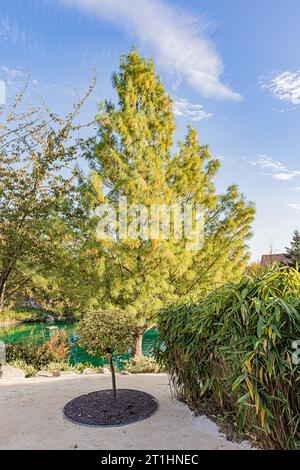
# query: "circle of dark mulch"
(98, 409)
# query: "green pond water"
(40, 332)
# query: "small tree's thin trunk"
(137, 341)
(113, 378)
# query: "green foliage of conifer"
(293, 252)
(133, 155)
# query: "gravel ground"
(31, 417)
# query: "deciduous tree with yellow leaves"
(39, 217)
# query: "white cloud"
(285, 87)
(10, 31)
(5, 29)
(194, 112)
(12, 72)
(289, 175)
(274, 168)
(61, 89)
(2, 93)
(294, 205)
(295, 189)
(16, 77)
(177, 39)
(284, 110)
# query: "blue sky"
(232, 66)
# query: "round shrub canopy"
(106, 332)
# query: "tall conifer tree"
(133, 156)
(293, 252)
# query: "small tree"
(106, 332)
(293, 253)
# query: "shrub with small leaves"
(106, 333)
(56, 349)
(28, 369)
(143, 365)
(32, 354)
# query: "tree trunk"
(137, 341)
(113, 378)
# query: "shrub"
(81, 366)
(236, 347)
(56, 349)
(143, 365)
(32, 354)
(57, 367)
(106, 333)
(65, 366)
(29, 370)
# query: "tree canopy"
(293, 252)
(106, 333)
(38, 210)
(134, 156)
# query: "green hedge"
(236, 347)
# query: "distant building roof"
(267, 260)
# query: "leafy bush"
(58, 367)
(236, 347)
(32, 354)
(66, 367)
(57, 346)
(56, 349)
(143, 365)
(81, 366)
(106, 333)
(29, 370)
